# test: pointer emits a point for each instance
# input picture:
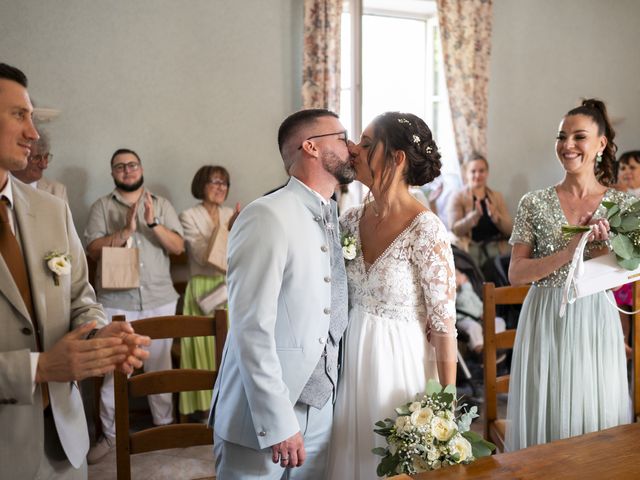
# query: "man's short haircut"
(202, 177)
(297, 120)
(8, 72)
(120, 151)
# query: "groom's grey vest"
(324, 379)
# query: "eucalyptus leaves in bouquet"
(429, 433)
(624, 223)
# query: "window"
(395, 64)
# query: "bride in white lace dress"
(401, 292)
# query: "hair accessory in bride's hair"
(404, 120)
(428, 149)
(416, 138)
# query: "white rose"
(59, 265)
(443, 429)
(403, 424)
(415, 406)
(422, 417)
(349, 252)
(462, 447)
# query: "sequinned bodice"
(539, 221)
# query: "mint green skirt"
(197, 352)
(568, 375)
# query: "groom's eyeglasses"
(345, 137)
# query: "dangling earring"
(598, 158)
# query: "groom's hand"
(290, 452)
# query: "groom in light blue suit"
(272, 405)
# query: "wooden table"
(610, 454)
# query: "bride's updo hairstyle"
(605, 169)
(406, 132)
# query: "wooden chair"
(494, 427)
(168, 381)
(635, 325)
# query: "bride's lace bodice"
(413, 279)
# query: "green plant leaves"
(622, 246)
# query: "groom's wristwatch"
(155, 223)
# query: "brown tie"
(12, 255)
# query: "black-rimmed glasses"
(131, 166)
(343, 132)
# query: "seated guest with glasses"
(37, 162)
(200, 224)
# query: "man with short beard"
(272, 405)
(132, 216)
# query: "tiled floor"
(175, 464)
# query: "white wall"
(182, 82)
(189, 82)
(547, 54)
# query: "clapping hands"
(73, 357)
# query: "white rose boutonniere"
(59, 264)
(349, 246)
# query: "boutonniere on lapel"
(59, 264)
(349, 246)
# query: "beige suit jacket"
(44, 224)
(56, 189)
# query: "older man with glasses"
(37, 162)
(133, 216)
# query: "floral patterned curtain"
(321, 57)
(465, 30)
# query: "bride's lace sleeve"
(432, 254)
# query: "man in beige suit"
(38, 161)
(48, 321)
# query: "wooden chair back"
(494, 427)
(169, 381)
(635, 322)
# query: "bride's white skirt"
(387, 361)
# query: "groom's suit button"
(262, 433)
(327, 311)
(324, 248)
(26, 331)
(327, 279)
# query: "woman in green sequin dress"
(211, 185)
(568, 375)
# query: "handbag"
(593, 276)
(119, 268)
(212, 300)
(218, 249)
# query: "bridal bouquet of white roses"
(429, 433)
